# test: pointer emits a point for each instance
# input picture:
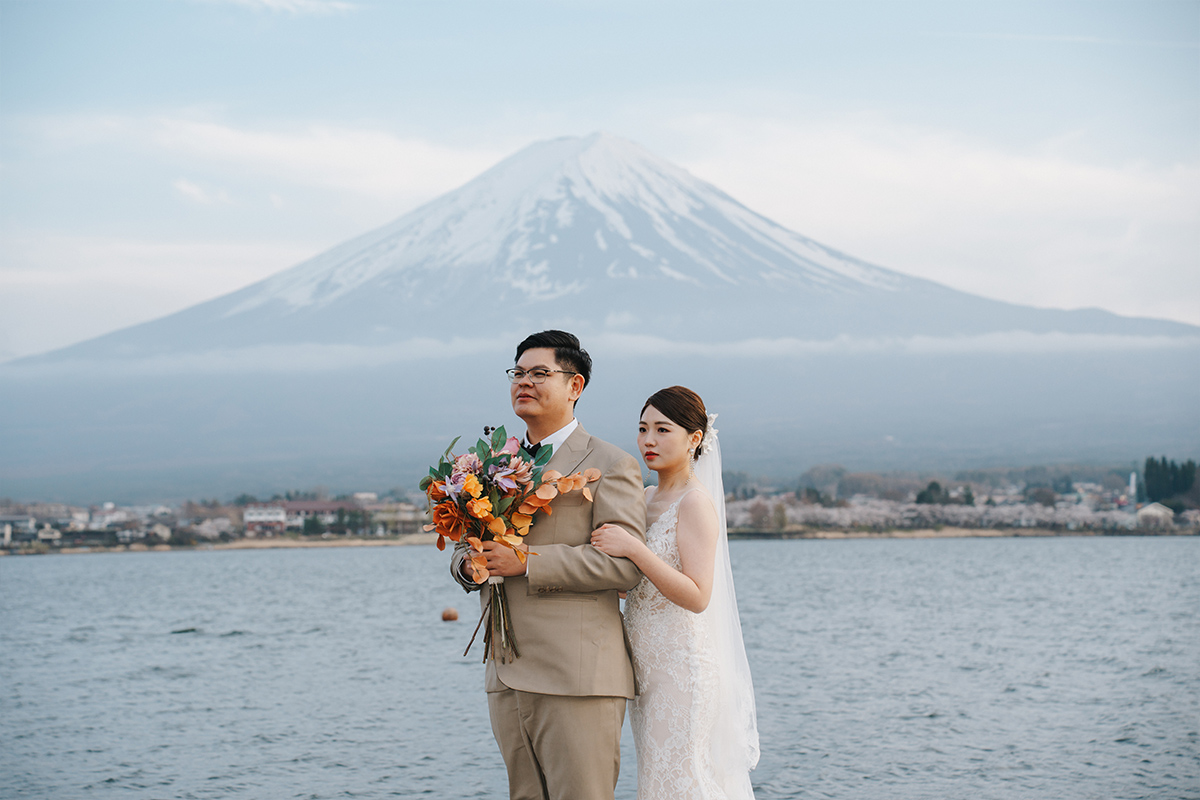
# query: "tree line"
(1165, 479)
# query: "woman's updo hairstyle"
(683, 407)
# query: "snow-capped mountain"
(353, 369)
(600, 236)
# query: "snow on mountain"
(624, 213)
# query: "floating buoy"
(450, 615)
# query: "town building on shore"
(1155, 515)
(264, 519)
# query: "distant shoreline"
(284, 542)
(949, 532)
(267, 543)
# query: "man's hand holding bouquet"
(491, 494)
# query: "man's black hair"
(567, 351)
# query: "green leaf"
(498, 438)
(543, 456)
(502, 506)
(424, 484)
(446, 454)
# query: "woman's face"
(664, 444)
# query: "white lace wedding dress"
(675, 712)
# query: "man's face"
(552, 399)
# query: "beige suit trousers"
(558, 747)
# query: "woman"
(693, 719)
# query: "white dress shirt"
(556, 439)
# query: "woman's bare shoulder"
(697, 504)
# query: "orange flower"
(480, 508)
(539, 500)
(472, 486)
(478, 566)
(521, 522)
(449, 520)
(437, 491)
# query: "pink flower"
(467, 463)
(522, 471)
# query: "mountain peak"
(564, 216)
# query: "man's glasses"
(534, 375)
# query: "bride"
(693, 719)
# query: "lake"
(937, 668)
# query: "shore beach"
(288, 542)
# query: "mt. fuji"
(350, 367)
(599, 234)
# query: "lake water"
(959, 668)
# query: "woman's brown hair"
(683, 407)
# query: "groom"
(557, 710)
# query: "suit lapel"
(573, 451)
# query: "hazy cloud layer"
(315, 358)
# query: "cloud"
(296, 6)
(1042, 228)
(316, 358)
(64, 289)
(363, 161)
(1071, 39)
(996, 343)
(199, 194)
(367, 162)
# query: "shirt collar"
(556, 439)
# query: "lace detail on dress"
(674, 715)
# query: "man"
(557, 710)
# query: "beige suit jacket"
(565, 610)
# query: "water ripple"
(992, 669)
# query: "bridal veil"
(735, 738)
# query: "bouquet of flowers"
(491, 494)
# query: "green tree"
(1042, 494)
(779, 517)
(759, 515)
(183, 537)
(313, 525)
(1164, 479)
(933, 494)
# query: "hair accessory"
(710, 433)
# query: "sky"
(158, 153)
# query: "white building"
(1155, 515)
(264, 518)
